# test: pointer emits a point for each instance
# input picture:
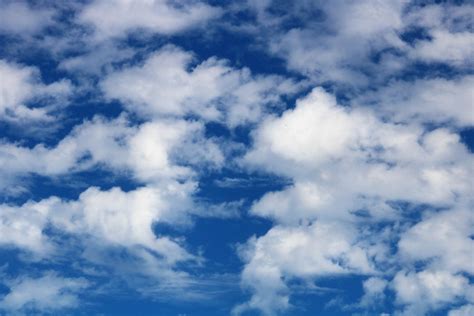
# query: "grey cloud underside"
(378, 185)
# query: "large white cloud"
(168, 84)
(352, 168)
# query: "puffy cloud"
(24, 96)
(374, 289)
(343, 160)
(166, 84)
(358, 43)
(117, 18)
(427, 101)
(113, 231)
(449, 249)
(23, 226)
(449, 29)
(154, 151)
(316, 250)
(17, 17)
(428, 290)
(112, 217)
(452, 48)
(464, 310)
(331, 41)
(47, 293)
(350, 170)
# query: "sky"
(247, 157)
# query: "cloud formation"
(319, 152)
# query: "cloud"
(359, 44)
(428, 290)
(168, 84)
(449, 248)
(23, 226)
(47, 293)
(464, 310)
(17, 17)
(349, 171)
(152, 152)
(119, 17)
(345, 160)
(424, 100)
(24, 97)
(450, 39)
(317, 250)
(374, 291)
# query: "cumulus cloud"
(317, 250)
(370, 182)
(47, 293)
(450, 37)
(428, 290)
(168, 84)
(24, 97)
(427, 101)
(117, 18)
(351, 168)
(151, 152)
(356, 43)
(19, 18)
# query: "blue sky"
(257, 157)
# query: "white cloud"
(345, 160)
(23, 226)
(333, 40)
(152, 152)
(350, 167)
(317, 250)
(428, 290)
(117, 18)
(450, 248)
(465, 310)
(167, 84)
(451, 48)
(449, 28)
(427, 101)
(356, 43)
(103, 223)
(374, 291)
(17, 17)
(48, 293)
(22, 93)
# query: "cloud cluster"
(350, 172)
(357, 43)
(372, 179)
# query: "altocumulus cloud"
(236, 158)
